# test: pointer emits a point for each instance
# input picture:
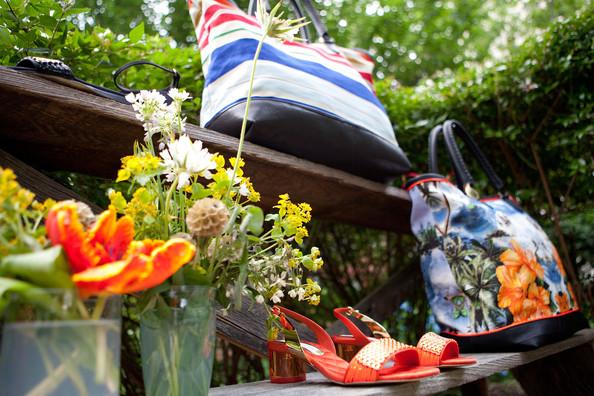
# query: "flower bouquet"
(61, 272)
(173, 187)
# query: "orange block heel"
(384, 361)
(284, 367)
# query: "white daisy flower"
(277, 296)
(184, 158)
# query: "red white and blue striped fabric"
(310, 75)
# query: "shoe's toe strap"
(381, 357)
(433, 349)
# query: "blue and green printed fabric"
(486, 264)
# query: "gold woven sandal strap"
(377, 329)
(432, 346)
(364, 367)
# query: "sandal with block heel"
(383, 361)
(434, 350)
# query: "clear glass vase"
(177, 339)
(51, 346)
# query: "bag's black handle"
(432, 162)
(463, 176)
(321, 29)
(118, 72)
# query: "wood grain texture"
(245, 328)
(53, 126)
(488, 364)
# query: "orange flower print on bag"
(519, 291)
(562, 301)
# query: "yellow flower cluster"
(143, 164)
(12, 195)
(222, 179)
(43, 207)
(141, 207)
(312, 290)
(293, 217)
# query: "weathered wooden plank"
(38, 183)
(488, 364)
(245, 328)
(68, 129)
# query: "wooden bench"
(45, 125)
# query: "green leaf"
(45, 268)
(74, 11)
(243, 272)
(11, 285)
(136, 34)
(253, 219)
(277, 232)
(271, 217)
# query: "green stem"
(168, 201)
(246, 113)
(82, 310)
(99, 307)
(49, 45)
(264, 250)
(171, 377)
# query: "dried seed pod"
(207, 217)
(85, 214)
(184, 236)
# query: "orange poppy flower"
(516, 257)
(105, 259)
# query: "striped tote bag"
(315, 101)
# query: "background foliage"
(517, 73)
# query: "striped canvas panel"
(290, 72)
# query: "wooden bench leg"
(476, 388)
(570, 372)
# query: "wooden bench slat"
(52, 126)
(488, 364)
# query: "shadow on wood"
(570, 372)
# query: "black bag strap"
(174, 80)
(432, 162)
(320, 27)
(55, 68)
(451, 128)
(299, 11)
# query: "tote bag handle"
(299, 11)
(464, 179)
(451, 128)
(434, 136)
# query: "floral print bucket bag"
(493, 278)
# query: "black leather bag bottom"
(524, 336)
(315, 136)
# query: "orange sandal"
(434, 350)
(383, 361)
